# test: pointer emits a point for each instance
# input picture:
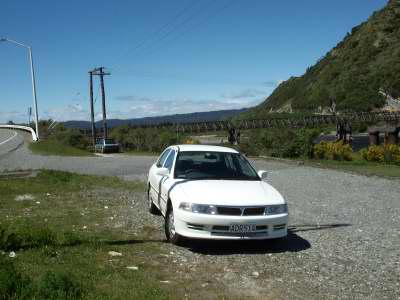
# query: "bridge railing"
(295, 122)
(24, 128)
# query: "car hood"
(229, 192)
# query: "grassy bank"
(360, 167)
(53, 147)
(357, 166)
(62, 236)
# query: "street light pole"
(33, 80)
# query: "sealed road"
(9, 141)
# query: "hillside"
(352, 76)
(178, 118)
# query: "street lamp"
(33, 79)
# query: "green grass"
(56, 257)
(360, 167)
(63, 236)
(52, 147)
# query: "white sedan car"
(211, 192)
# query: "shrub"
(392, 153)
(333, 150)
(386, 153)
(59, 285)
(13, 284)
(281, 142)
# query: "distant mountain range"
(178, 118)
(360, 74)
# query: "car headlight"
(276, 209)
(198, 208)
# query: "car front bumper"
(205, 226)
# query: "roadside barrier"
(24, 128)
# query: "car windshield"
(110, 141)
(213, 165)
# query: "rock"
(114, 253)
(255, 274)
(12, 254)
(132, 268)
(164, 281)
(25, 197)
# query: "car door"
(167, 181)
(154, 179)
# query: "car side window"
(170, 161)
(162, 158)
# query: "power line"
(190, 77)
(187, 30)
(159, 30)
(203, 21)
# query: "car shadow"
(292, 243)
(311, 227)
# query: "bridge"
(294, 122)
(387, 122)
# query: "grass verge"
(360, 167)
(52, 147)
(357, 165)
(62, 236)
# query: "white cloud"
(148, 107)
(70, 112)
(131, 106)
(15, 116)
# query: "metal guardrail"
(24, 128)
(310, 121)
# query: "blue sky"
(165, 57)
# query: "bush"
(52, 285)
(333, 150)
(281, 142)
(386, 153)
(146, 139)
(374, 153)
(59, 286)
(13, 284)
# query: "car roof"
(205, 148)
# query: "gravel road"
(125, 166)
(344, 240)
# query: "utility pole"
(103, 101)
(92, 108)
(99, 72)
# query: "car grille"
(241, 211)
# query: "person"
(231, 136)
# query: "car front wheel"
(170, 232)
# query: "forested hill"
(353, 75)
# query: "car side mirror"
(162, 172)
(263, 174)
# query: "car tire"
(150, 204)
(170, 232)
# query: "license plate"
(242, 228)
